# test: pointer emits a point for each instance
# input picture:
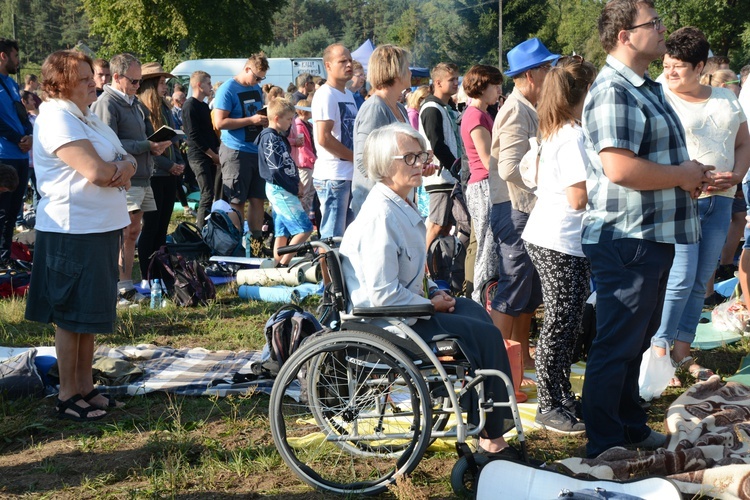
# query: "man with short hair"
(357, 82)
(437, 124)
(102, 75)
(15, 143)
(203, 145)
(305, 87)
(333, 113)
(119, 108)
(640, 204)
(178, 100)
(31, 85)
(519, 289)
(236, 107)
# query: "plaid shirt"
(627, 111)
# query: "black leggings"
(156, 223)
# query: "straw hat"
(154, 70)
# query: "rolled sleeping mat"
(283, 294)
(270, 263)
(292, 276)
(313, 273)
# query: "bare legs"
(127, 254)
(75, 354)
(515, 328)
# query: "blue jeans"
(631, 280)
(692, 267)
(334, 199)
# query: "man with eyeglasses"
(235, 113)
(642, 186)
(519, 289)
(119, 108)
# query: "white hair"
(382, 145)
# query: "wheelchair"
(354, 409)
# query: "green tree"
(170, 30)
(308, 44)
(726, 23)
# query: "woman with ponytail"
(553, 238)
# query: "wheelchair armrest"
(407, 311)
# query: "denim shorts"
(289, 218)
(334, 206)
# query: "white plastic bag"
(731, 316)
(529, 165)
(656, 371)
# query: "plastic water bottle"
(163, 293)
(156, 295)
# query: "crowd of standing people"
(576, 177)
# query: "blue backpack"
(222, 236)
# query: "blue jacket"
(11, 128)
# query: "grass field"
(163, 446)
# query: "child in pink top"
(304, 156)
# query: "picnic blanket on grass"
(191, 372)
(708, 446)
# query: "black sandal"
(81, 413)
(111, 402)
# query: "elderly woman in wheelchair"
(354, 409)
(383, 258)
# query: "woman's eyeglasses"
(411, 158)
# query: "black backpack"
(286, 330)
(186, 282)
(445, 261)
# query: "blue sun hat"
(528, 55)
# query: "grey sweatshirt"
(128, 122)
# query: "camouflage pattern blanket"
(708, 446)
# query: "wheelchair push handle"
(325, 244)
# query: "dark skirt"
(483, 345)
(74, 281)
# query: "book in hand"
(166, 134)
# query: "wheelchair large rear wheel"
(349, 413)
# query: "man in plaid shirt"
(642, 186)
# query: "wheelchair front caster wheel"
(463, 478)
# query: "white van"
(281, 70)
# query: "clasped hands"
(443, 302)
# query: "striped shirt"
(627, 111)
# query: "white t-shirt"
(553, 223)
(70, 203)
(330, 104)
(711, 128)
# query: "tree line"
(462, 31)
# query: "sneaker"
(574, 406)
(145, 285)
(560, 420)
(653, 440)
(130, 298)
